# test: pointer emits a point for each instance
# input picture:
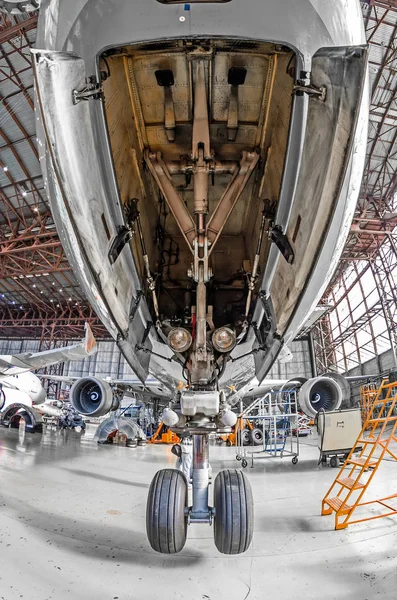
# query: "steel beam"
(9, 32)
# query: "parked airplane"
(20, 389)
(203, 160)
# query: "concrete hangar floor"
(72, 525)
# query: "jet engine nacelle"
(320, 393)
(92, 397)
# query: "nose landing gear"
(168, 513)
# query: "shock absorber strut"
(201, 158)
(200, 512)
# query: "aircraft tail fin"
(90, 343)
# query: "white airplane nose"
(39, 396)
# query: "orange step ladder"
(346, 493)
(368, 394)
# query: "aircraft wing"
(62, 378)
(151, 387)
(11, 364)
(253, 388)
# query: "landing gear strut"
(203, 406)
(168, 513)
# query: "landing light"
(224, 339)
(179, 339)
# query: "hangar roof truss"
(38, 291)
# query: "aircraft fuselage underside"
(202, 182)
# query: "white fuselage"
(22, 387)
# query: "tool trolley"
(275, 432)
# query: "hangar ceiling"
(39, 295)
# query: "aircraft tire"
(256, 437)
(166, 523)
(19, 7)
(244, 437)
(234, 512)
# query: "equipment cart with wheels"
(337, 433)
(275, 428)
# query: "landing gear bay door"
(85, 200)
(315, 216)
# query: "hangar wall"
(377, 365)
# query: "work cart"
(274, 434)
(337, 433)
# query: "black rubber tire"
(244, 463)
(234, 512)
(256, 436)
(19, 7)
(244, 437)
(295, 460)
(166, 522)
(334, 462)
